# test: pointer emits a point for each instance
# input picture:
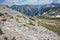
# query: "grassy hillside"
(51, 24)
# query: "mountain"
(55, 4)
(18, 26)
(34, 10)
(27, 9)
(52, 11)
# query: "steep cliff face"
(17, 26)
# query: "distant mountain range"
(51, 11)
(27, 9)
(35, 10)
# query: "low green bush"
(32, 19)
(14, 38)
(3, 19)
(1, 14)
(1, 32)
(31, 23)
(5, 38)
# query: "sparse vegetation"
(47, 18)
(6, 13)
(23, 17)
(11, 17)
(24, 25)
(54, 28)
(32, 19)
(19, 16)
(31, 23)
(1, 14)
(5, 38)
(57, 19)
(17, 19)
(4, 20)
(1, 32)
(14, 38)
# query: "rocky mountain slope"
(51, 12)
(27, 9)
(38, 10)
(17, 26)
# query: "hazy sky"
(28, 2)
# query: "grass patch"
(1, 14)
(5, 38)
(32, 19)
(24, 25)
(17, 19)
(6, 13)
(11, 17)
(4, 20)
(1, 32)
(31, 23)
(57, 19)
(51, 27)
(13, 38)
(54, 28)
(19, 16)
(47, 18)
